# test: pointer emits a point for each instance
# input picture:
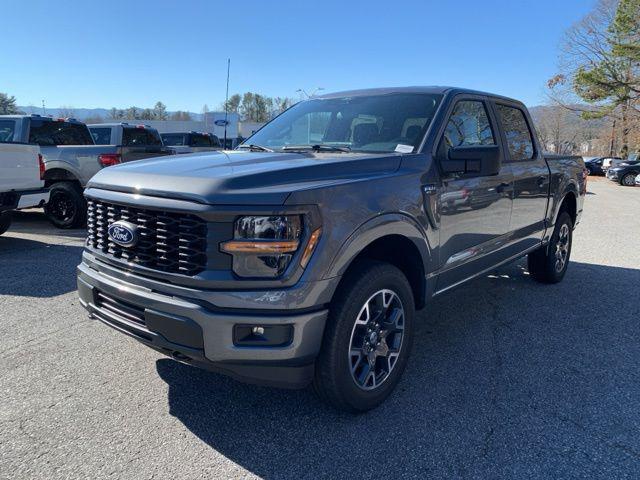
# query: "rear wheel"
(5, 221)
(67, 207)
(367, 340)
(629, 180)
(549, 264)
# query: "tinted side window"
(132, 137)
(200, 140)
(174, 139)
(468, 125)
(7, 129)
(517, 132)
(47, 133)
(215, 141)
(101, 135)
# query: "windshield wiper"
(318, 148)
(255, 148)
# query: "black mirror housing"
(480, 160)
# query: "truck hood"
(240, 177)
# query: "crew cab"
(191, 142)
(303, 256)
(21, 177)
(132, 142)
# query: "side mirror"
(479, 160)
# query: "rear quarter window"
(50, 133)
(174, 139)
(200, 140)
(132, 137)
(7, 130)
(101, 135)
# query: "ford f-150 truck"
(303, 256)
(132, 142)
(21, 178)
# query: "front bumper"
(198, 333)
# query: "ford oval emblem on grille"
(123, 233)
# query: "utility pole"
(226, 104)
(44, 111)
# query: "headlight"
(263, 246)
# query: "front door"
(475, 211)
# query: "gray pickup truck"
(303, 256)
(132, 142)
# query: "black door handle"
(542, 180)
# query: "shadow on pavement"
(35, 222)
(508, 378)
(32, 268)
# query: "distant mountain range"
(84, 113)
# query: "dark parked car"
(594, 165)
(625, 173)
(302, 257)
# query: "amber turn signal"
(311, 246)
(267, 246)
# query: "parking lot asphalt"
(508, 379)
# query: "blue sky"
(120, 53)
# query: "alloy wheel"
(628, 180)
(562, 247)
(376, 339)
(61, 207)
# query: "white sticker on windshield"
(401, 148)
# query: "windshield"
(376, 123)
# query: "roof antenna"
(226, 104)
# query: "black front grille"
(168, 242)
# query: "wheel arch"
(59, 174)
(393, 238)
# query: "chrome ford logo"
(123, 233)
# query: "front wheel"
(549, 263)
(368, 338)
(67, 207)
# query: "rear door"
(474, 210)
(530, 175)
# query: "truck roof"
(434, 89)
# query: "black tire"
(589, 171)
(629, 180)
(67, 207)
(334, 381)
(5, 222)
(544, 264)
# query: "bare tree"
(66, 111)
(598, 66)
